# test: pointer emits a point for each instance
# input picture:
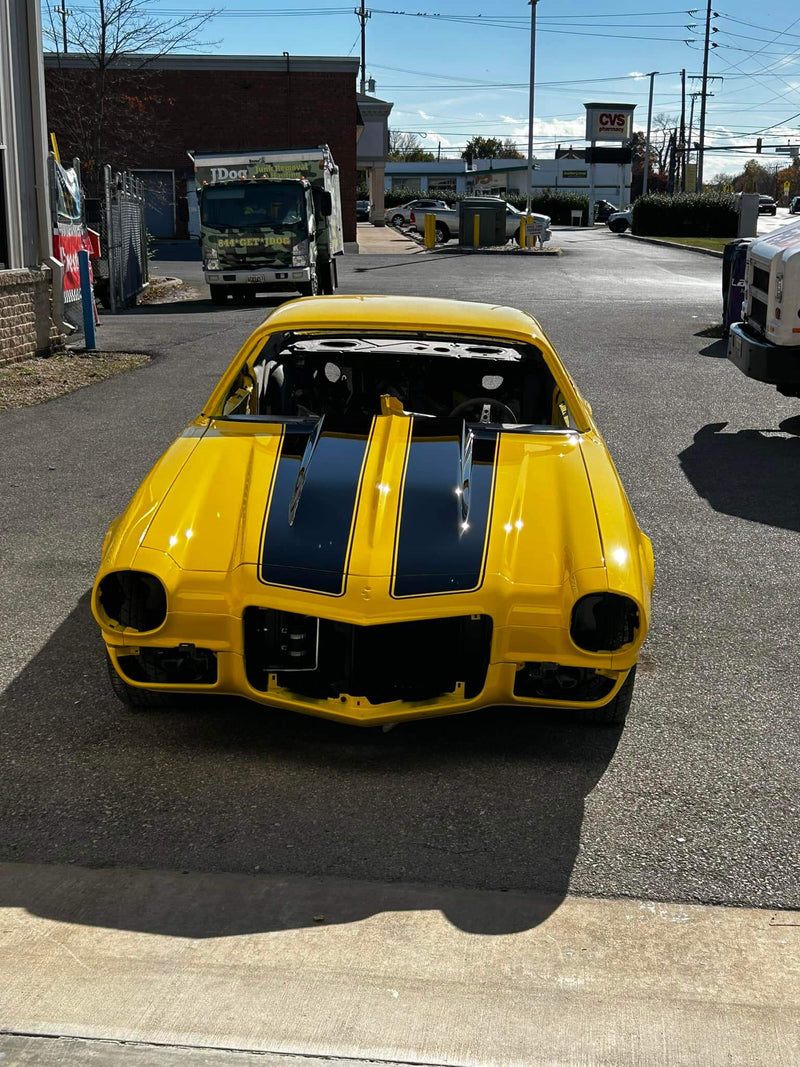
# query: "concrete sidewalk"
(225, 965)
(384, 241)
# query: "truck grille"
(407, 661)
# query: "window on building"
(444, 184)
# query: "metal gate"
(123, 237)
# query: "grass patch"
(713, 244)
(35, 380)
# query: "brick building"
(159, 109)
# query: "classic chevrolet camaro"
(389, 508)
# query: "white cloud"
(637, 75)
(423, 115)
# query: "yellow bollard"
(522, 234)
(476, 231)
(429, 238)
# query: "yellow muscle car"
(389, 508)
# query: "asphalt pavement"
(694, 802)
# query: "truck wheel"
(615, 712)
(325, 278)
(219, 294)
(442, 233)
(310, 288)
(134, 698)
(618, 226)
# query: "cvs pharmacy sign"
(609, 122)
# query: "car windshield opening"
(475, 379)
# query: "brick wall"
(25, 324)
(156, 116)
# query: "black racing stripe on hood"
(434, 553)
(312, 552)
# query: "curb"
(468, 250)
(673, 244)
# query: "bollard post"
(476, 231)
(86, 300)
(429, 239)
(522, 231)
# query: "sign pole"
(533, 4)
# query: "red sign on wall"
(67, 242)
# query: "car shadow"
(203, 305)
(753, 474)
(491, 800)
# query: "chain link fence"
(122, 271)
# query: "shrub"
(685, 215)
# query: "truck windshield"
(252, 205)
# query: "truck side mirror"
(322, 201)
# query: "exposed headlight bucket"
(300, 254)
(604, 622)
(133, 599)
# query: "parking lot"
(693, 801)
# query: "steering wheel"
(486, 403)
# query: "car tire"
(134, 698)
(618, 226)
(219, 295)
(616, 711)
(310, 288)
(397, 220)
(325, 277)
(442, 234)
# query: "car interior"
(474, 379)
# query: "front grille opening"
(182, 665)
(552, 681)
(408, 661)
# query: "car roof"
(406, 314)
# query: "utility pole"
(682, 146)
(363, 15)
(646, 174)
(703, 102)
(533, 4)
(63, 12)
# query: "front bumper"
(286, 276)
(508, 665)
(765, 362)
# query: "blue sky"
(454, 68)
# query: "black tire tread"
(616, 711)
(134, 698)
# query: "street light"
(532, 4)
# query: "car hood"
(423, 502)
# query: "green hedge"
(685, 215)
(559, 206)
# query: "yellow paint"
(560, 528)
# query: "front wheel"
(325, 277)
(134, 698)
(397, 220)
(310, 288)
(616, 711)
(618, 226)
(219, 295)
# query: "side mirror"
(323, 204)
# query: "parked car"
(767, 206)
(363, 209)
(447, 222)
(400, 215)
(390, 508)
(794, 206)
(620, 221)
(604, 208)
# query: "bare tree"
(662, 129)
(407, 148)
(110, 35)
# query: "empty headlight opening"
(604, 622)
(133, 599)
